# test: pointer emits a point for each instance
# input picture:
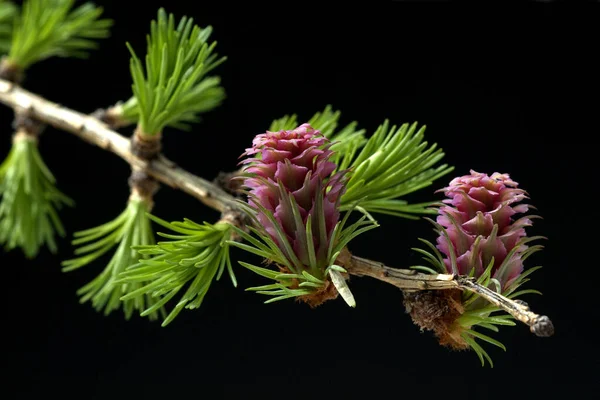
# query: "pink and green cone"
(295, 193)
(481, 233)
(479, 218)
(293, 171)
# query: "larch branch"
(92, 130)
(411, 280)
(95, 132)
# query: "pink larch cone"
(293, 168)
(478, 228)
(479, 219)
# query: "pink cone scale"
(291, 182)
(481, 223)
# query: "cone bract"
(479, 220)
(291, 178)
(481, 235)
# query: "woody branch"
(411, 280)
(91, 130)
(95, 132)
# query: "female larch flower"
(294, 193)
(292, 178)
(480, 235)
(479, 221)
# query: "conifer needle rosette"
(294, 203)
(172, 87)
(128, 231)
(171, 90)
(53, 28)
(478, 236)
(189, 261)
(30, 200)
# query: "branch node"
(144, 146)
(11, 72)
(235, 218)
(97, 133)
(167, 162)
(522, 303)
(143, 185)
(25, 123)
(228, 182)
(437, 311)
(110, 116)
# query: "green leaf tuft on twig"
(393, 163)
(172, 87)
(130, 229)
(52, 28)
(30, 200)
(190, 260)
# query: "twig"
(411, 280)
(93, 131)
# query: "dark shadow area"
(497, 94)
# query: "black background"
(500, 90)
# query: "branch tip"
(543, 327)
(411, 280)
